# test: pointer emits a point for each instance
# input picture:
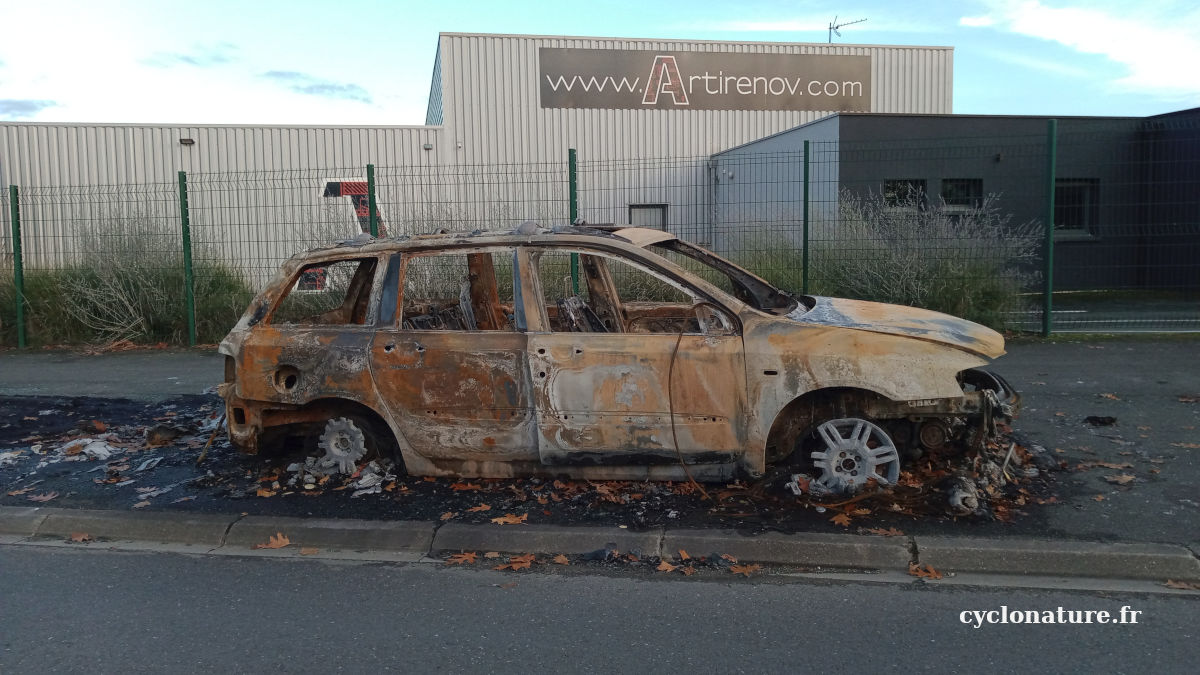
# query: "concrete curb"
(807, 549)
(230, 533)
(1058, 558)
(544, 539)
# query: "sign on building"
(646, 79)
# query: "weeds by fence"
(957, 225)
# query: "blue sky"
(364, 62)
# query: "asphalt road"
(89, 611)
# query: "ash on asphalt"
(124, 471)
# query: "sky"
(370, 62)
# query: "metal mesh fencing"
(988, 227)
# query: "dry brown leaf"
(22, 491)
(1098, 498)
(1120, 479)
(99, 426)
(561, 559)
(44, 497)
(665, 566)
(889, 532)
(81, 537)
(726, 556)
(449, 514)
(309, 550)
(1189, 399)
(1182, 585)
(1189, 446)
(745, 570)
(264, 492)
(462, 558)
(511, 519)
(923, 571)
(515, 563)
(460, 487)
(861, 512)
(683, 555)
(1111, 397)
(141, 505)
(688, 571)
(841, 519)
(276, 541)
(491, 554)
(477, 509)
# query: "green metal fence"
(1067, 229)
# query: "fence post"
(1048, 245)
(14, 208)
(804, 273)
(189, 286)
(573, 196)
(372, 212)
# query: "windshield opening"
(739, 283)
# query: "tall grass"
(125, 282)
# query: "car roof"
(640, 237)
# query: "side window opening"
(459, 291)
(341, 298)
(616, 296)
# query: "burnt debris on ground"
(117, 454)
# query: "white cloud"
(976, 21)
(1157, 43)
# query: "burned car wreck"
(596, 353)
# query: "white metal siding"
(490, 100)
(109, 154)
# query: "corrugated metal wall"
(491, 110)
(109, 154)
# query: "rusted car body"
(597, 353)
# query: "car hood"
(922, 324)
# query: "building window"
(653, 216)
(899, 193)
(962, 193)
(1076, 203)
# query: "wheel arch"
(798, 418)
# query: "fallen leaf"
(81, 537)
(841, 519)
(1143, 428)
(665, 566)
(1189, 399)
(1120, 479)
(1111, 397)
(22, 491)
(561, 559)
(726, 556)
(745, 570)
(99, 426)
(889, 532)
(309, 550)
(29, 419)
(460, 487)
(448, 515)
(683, 555)
(515, 563)
(141, 505)
(511, 519)
(861, 512)
(1060, 414)
(477, 509)
(44, 497)
(461, 558)
(491, 554)
(511, 584)
(1182, 585)
(264, 492)
(429, 479)
(1098, 498)
(923, 571)
(276, 541)
(688, 571)
(1189, 446)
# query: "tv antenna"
(834, 26)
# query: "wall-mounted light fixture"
(187, 141)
